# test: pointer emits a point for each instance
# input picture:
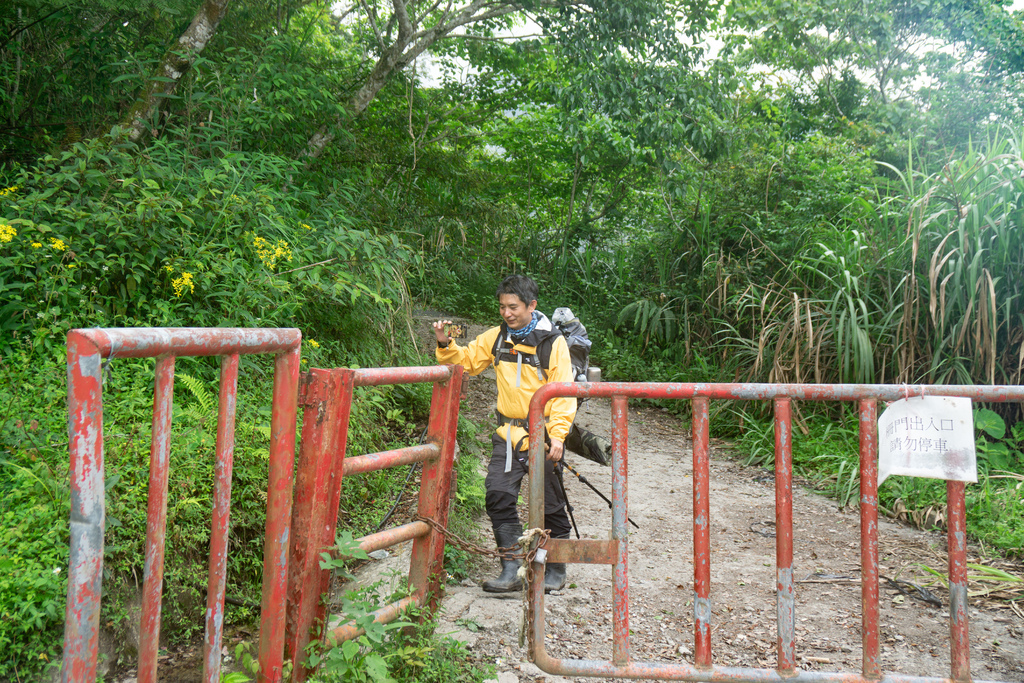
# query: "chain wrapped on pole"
(529, 576)
(528, 555)
(497, 553)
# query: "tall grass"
(923, 287)
(968, 229)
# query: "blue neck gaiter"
(520, 334)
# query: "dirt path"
(914, 635)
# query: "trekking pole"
(592, 488)
(568, 505)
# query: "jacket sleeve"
(563, 409)
(475, 356)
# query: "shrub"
(34, 512)
(108, 235)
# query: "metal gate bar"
(85, 351)
(701, 533)
(326, 396)
(785, 595)
(957, 527)
(156, 518)
(223, 466)
(615, 551)
(620, 529)
(868, 431)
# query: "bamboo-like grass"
(921, 287)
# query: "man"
(527, 352)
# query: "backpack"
(576, 338)
(564, 322)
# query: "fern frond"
(199, 391)
(255, 430)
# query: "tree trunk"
(394, 59)
(173, 66)
(409, 43)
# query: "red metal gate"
(86, 351)
(615, 552)
(326, 396)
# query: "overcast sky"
(430, 75)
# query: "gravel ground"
(914, 634)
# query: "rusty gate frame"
(289, 606)
(326, 397)
(86, 351)
(615, 551)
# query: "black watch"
(444, 345)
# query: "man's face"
(514, 312)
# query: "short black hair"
(520, 285)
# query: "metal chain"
(528, 615)
(507, 553)
(526, 556)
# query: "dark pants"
(503, 491)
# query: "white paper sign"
(928, 436)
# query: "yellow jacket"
(514, 401)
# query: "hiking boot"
(506, 536)
(554, 576)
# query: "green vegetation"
(827, 455)
(406, 650)
(832, 194)
(103, 235)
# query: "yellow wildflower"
(306, 226)
(282, 251)
(183, 282)
(72, 265)
(263, 250)
(271, 254)
(313, 343)
(169, 269)
(8, 190)
(7, 232)
(58, 244)
(36, 245)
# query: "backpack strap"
(544, 351)
(544, 354)
(501, 353)
(540, 360)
